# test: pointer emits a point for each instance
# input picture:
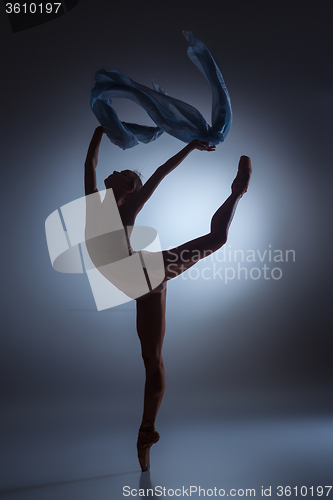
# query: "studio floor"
(80, 454)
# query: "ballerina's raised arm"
(137, 201)
(127, 187)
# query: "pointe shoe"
(145, 441)
(242, 179)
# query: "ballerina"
(131, 195)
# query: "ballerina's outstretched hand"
(202, 146)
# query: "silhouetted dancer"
(131, 196)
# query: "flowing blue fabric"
(170, 115)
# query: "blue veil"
(170, 115)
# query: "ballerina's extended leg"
(181, 258)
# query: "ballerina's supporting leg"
(181, 258)
(151, 308)
(151, 329)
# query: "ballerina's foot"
(145, 442)
(242, 179)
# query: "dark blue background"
(255, 349)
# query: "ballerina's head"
(124, 184)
